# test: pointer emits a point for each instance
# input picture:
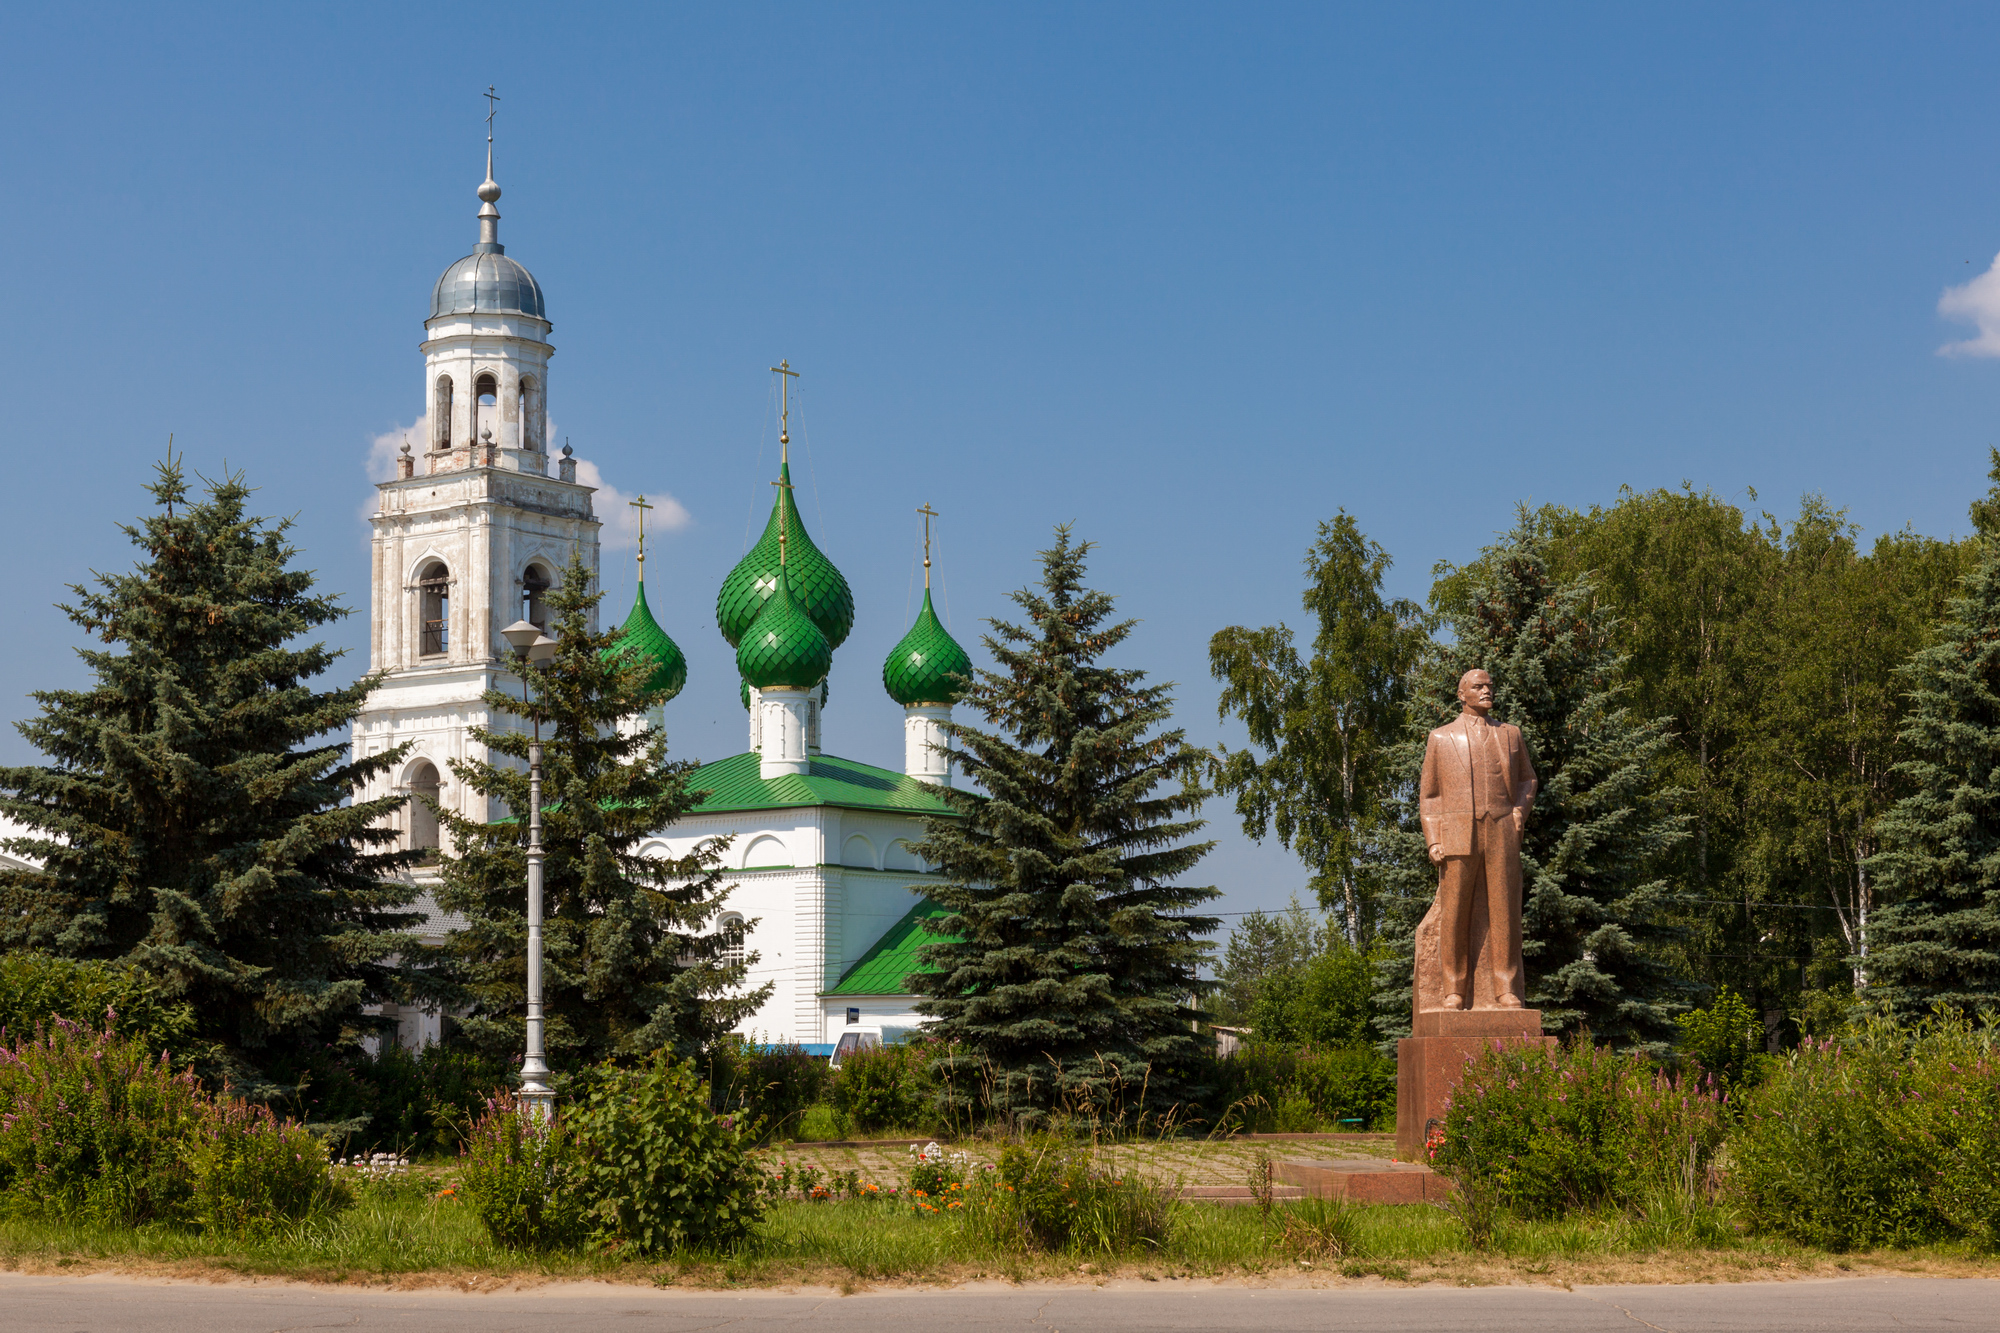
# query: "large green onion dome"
(818, 586)
(783, 647)
(921, 667)
(644, 637)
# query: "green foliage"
(630, 962)
(1060, 970)
(889, 1087)
(1304, 1089)
(194, 816)
(1062, 1199)
(1547, 1130)
(1596, 925)
(1939, 942)
(95, 1128)
(1891, 1137)
(1262, 945)
(766, 1087)
(524, 1179)
(1328, 1001)
(661, 1171)
(1324, 723)
(1719, 1040)
(37, 988)
(400, 1100)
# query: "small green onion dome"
(643, 636)
(818, 586)
(921, 667)
(783, 646)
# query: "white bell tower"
(473, 532)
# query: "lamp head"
(521, 635)
(542, 649)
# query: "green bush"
(522, 1179)
(1303, 1089)
(1720, 1039)
(94, 1128)
(889, 1087)
(1890, 1137)
(1547, 1129)
(769, 1087)
(1060, 1198)
(403, 1100)
(661, 1170)
(38, 988)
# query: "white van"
(867, 1039)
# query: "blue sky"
(1191, 277)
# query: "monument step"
(1365, 1181)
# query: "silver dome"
(487, 284)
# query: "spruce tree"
(1938, 941)
(191, 818)
(1595, 914)
(1066, 958)
(630, 961)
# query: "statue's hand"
(1520, 820)
(1437, 853)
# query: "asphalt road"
(65, 1304)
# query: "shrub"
(769, 1087)
(1891, 1137)
(1319, 1229)
(1061, 1199)
(38, 988)
(92, 1128)
(523, 1179)
(889, 1087)
(1547, 1129)
(1717, 1040)
(409, 1101)
(1302, 1089)
(663, 1172)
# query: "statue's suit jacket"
(1444, 794)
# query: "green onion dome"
(921, 667)
(644, 637)
(783, 646)
(818, 586)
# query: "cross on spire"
(929, 514)
(786, 375)
(641, 505)
(492, 106)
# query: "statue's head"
(1475, 691)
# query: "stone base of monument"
(1431, 1060)
(1364, 1182)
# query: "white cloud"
(621, 521)
(1978, 302)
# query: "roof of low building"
(886, 967)
(734, 784)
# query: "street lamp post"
(537, 1099)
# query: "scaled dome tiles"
(783, 647)
(819, 588)
(921, 668)
(644, 638)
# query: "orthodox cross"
(641, 505)
(492, 105)
(787, 374)
(929, 514)
(782, 486)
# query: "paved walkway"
(1859, 1305)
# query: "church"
(469, 536)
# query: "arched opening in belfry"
(423, 818)
(441, 415)
(433, 609)
(531, 413)
(486, 392)
(534, 591)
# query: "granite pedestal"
(1431, 1060)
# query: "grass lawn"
(413, 1240)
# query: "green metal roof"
(884, 969)
(733, 784)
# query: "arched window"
(433, 609)
(485, 394)
(423, 819)
(730, 927)
(534, 586)
(441, 415)
(531, 413)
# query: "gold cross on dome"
(929, 514)
(641, 505)
(786, 375)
